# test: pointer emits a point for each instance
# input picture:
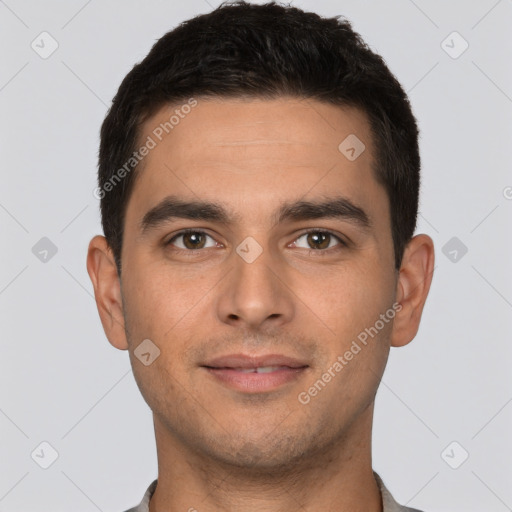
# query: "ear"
(412, 288)
(107, 290)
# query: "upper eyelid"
(187, 231)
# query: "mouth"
(255, 374)
(259, 369)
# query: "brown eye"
(319, 240)
(191, 240)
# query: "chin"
(267, 454)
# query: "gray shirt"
(388, 502)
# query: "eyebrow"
(173, 207)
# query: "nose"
(255, 294)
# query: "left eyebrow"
(173, 207)
(336, 208)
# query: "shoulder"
(388, 502)
(143, 506)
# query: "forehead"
(212, 123)
(254, 153)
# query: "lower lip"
(256, 382)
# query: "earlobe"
(107, 290)
(412, 288)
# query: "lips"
(260, 364)
(255, 374)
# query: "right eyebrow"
(172, 207)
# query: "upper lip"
(250, 361)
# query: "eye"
(319, 240)
(191, 240)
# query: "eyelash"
(317, 252)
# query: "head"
(290, 152)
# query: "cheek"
(352, 299)
(158, 298)
(169, 310)
(156, 309)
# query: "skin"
(221, 449)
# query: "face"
(284, 269)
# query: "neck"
(337, 478)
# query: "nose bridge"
(254, 292)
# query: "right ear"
(102, 270)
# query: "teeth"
(261, 369)
(267, 369)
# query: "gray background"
(63, 383)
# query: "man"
(259, 176)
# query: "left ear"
(412, 288)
